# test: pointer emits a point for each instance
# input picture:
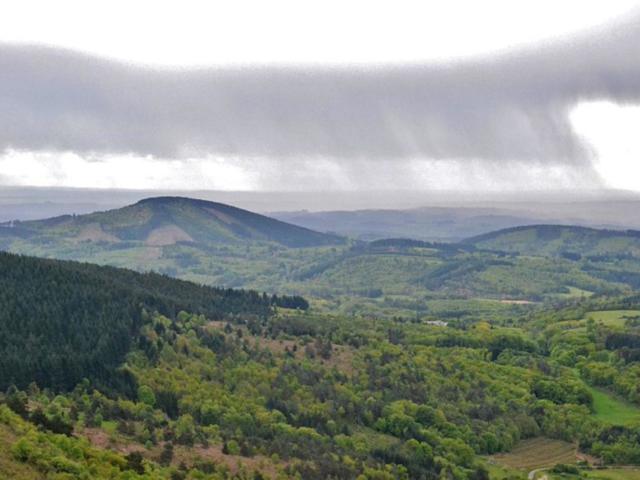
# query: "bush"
(565, 468)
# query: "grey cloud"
(513, 106)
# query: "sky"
(301, 96)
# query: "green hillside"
(166, 221)
(116, 381)
(570, 241)
(63, 321)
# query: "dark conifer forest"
(65, 321)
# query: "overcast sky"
(285, 95)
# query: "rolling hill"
(560, 240)
(166, 221)
(214, 244)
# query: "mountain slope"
(561, 240)
(62, 321)
(165, 221)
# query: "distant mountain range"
(448, 224)
(439, 224)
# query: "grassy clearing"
(612, 318)
(613, 410)
(614, 474)
(575, 292)
(110, 427)
(500, 472)
(537, 453)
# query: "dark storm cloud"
(512, 106)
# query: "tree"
(146, 395)
(134, 462)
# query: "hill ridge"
(551, 226)
(572, 241)
(167, 220)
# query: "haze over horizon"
(519, 105)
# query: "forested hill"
(556, 240)
(165, 221)
(63, 321)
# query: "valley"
(396, 358)
(329, 241)
(218, 245)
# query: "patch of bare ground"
(539, 452)
(516, 302)
(234, 463)
(590, 459)
(149, 253)
(185, 454)
(341, 355)
(167, 235)
(93, 232)
(101, 439)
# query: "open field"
(614, 474)
(621, 473)
(537, 453)
(613, 318)
(574, 292)
(500, 472)
(611, 409)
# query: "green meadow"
(613, 318)
(613, 410)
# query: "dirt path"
(532, 474)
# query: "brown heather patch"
(341, 356)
